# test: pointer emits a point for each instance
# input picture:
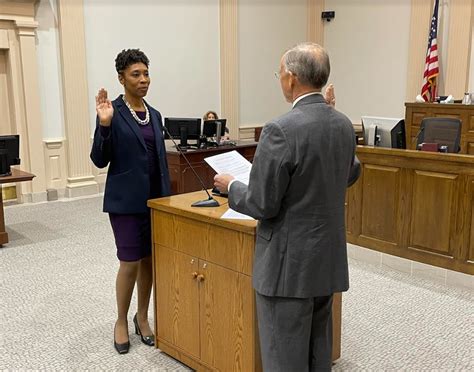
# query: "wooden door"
(227, 318)
(177, 293)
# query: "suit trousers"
(295, 333)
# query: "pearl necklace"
(134, 114)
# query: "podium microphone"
(210, 202)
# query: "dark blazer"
(127, 188)
(297, 190)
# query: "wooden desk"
(16, 176)
(414, 204)
(204, 300)
(415, 112)
(182, 178)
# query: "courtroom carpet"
(57, 304)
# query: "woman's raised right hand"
(104, 108)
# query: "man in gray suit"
(297, 187)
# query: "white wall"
(49, 71)
(368, 46)
(266, 29)
(181, 39)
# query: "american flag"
(428, 91)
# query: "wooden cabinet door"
(227, 323)
(177, 293)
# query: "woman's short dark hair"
(128, 57)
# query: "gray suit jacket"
(297, 190)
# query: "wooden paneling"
(417, 118)
(414, 204)
(232, 249)
(433, 211)
(353, 217)
(224, 332)
(163, 233)
(177, 288)
(182, 177)
(470, 148)
(380, 202)
(191, 235)
(470, 243)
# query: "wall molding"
(229, 63)
(55, 161)
(22, 99)
(459, 44)
(80, 180)
(247, 132)
(420, 18)
(315, 25)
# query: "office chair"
(443, 131)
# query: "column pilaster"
(315, 30)
(229, 61)
(459, 42)
(80, 180)
(420, 18)
(30, 129)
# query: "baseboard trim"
(412, 268)
(81, 189)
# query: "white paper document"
(237, 166)
(231, 214)
(231, 163)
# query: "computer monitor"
(384, 132)
(184, 129)
(209, 128)
(9, 153)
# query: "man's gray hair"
(310, 63)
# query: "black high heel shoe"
(147, 340)
(121, 348)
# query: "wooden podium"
(203, 296)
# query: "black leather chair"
(443, 131)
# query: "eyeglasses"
(278, 74)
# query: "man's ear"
(292, 79)
(120, 78)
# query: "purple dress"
(132, 232)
